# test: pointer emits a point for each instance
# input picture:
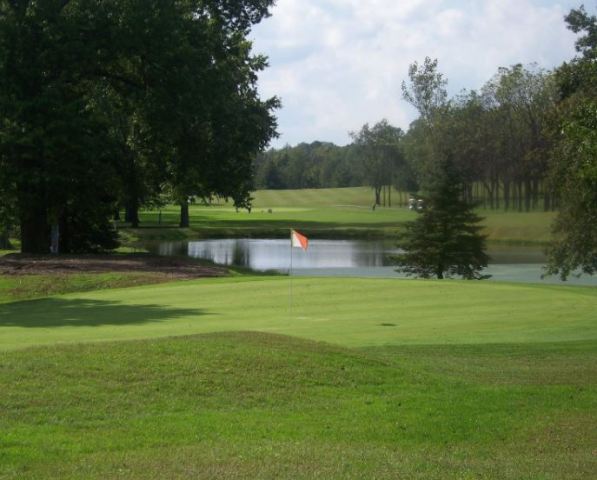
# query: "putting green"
(350, 312)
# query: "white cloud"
(337, 64)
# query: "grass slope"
(25, 287)
(350, 312)
(249, 405)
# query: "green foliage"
(579, 21)
(445, 240)
(381, 153)
(315, 165)
(574, 157)
(427, 89)
(104, 102)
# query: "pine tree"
(445, 240)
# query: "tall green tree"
(445, 240)
(163, 71)
(426, 91)
(381, 151)
(574, 156)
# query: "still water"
(363, 258)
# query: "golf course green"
(357, 378)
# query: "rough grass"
(26, 287)
(250, 405)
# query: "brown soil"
(172, 267)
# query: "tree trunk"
(378, 196)
(536, 187)
(131, 213)
(546, 200)
(528, 195)
(65, 243)
(35, 231)
(506, 195)
(4, 240)
(184, 215)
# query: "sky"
(338, 64)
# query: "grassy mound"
(250, 405)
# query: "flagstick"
(290, 280)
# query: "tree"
(427, 89)
(445, 240)
(522, 98)
(574, 156)
(380, 149)
(102, 102)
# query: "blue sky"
(338, 64)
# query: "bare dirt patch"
(170, 267)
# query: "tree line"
(502, 138)
(110, 105)
(526, 128)
(499, 137)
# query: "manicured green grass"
(324, 213)
(344, 311)
(249, 405)
(418, 379)
(324, 197)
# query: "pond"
(363, 258)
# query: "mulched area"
(172, 267)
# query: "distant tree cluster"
(314, 165)
(113, 104)
(498, 138)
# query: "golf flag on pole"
(298, 240)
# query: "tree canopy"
(574, 156)
(104, 104)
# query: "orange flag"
(298, 240)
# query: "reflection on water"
(363, 258)
(275, 254)
(260, 254)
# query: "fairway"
(327, 212)
(349, 312)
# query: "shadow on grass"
(59, 312)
